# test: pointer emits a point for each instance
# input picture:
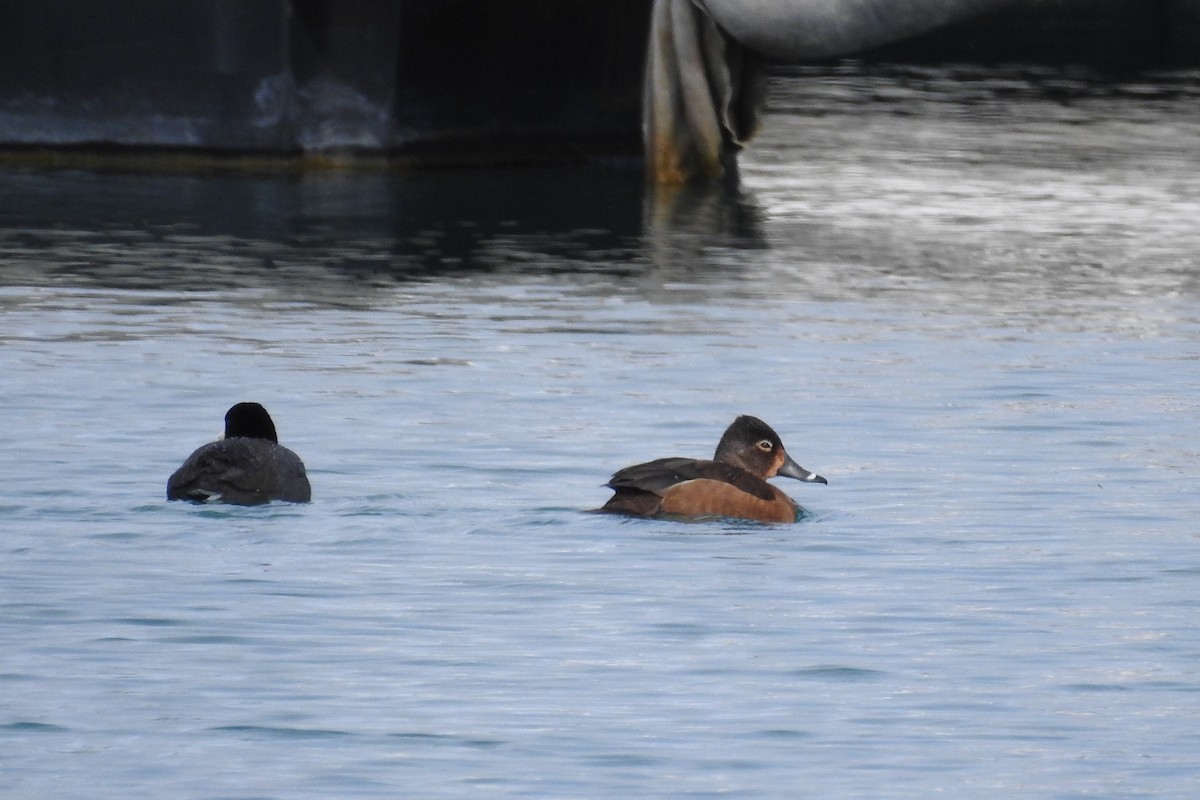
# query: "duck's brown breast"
(703, 498)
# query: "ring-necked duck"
(246, 467)
(733, 484)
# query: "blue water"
(978, 317)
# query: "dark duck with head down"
(246, 467)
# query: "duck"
(733, 484)
(247, 466)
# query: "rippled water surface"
(973, 306)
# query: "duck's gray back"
(241, 471)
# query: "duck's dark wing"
(656, 477)
(241, 471)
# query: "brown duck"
(733, 484)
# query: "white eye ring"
(765, 445)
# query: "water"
(975, 311)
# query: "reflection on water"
(974, 193)
(304, 234)
(998, 193)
